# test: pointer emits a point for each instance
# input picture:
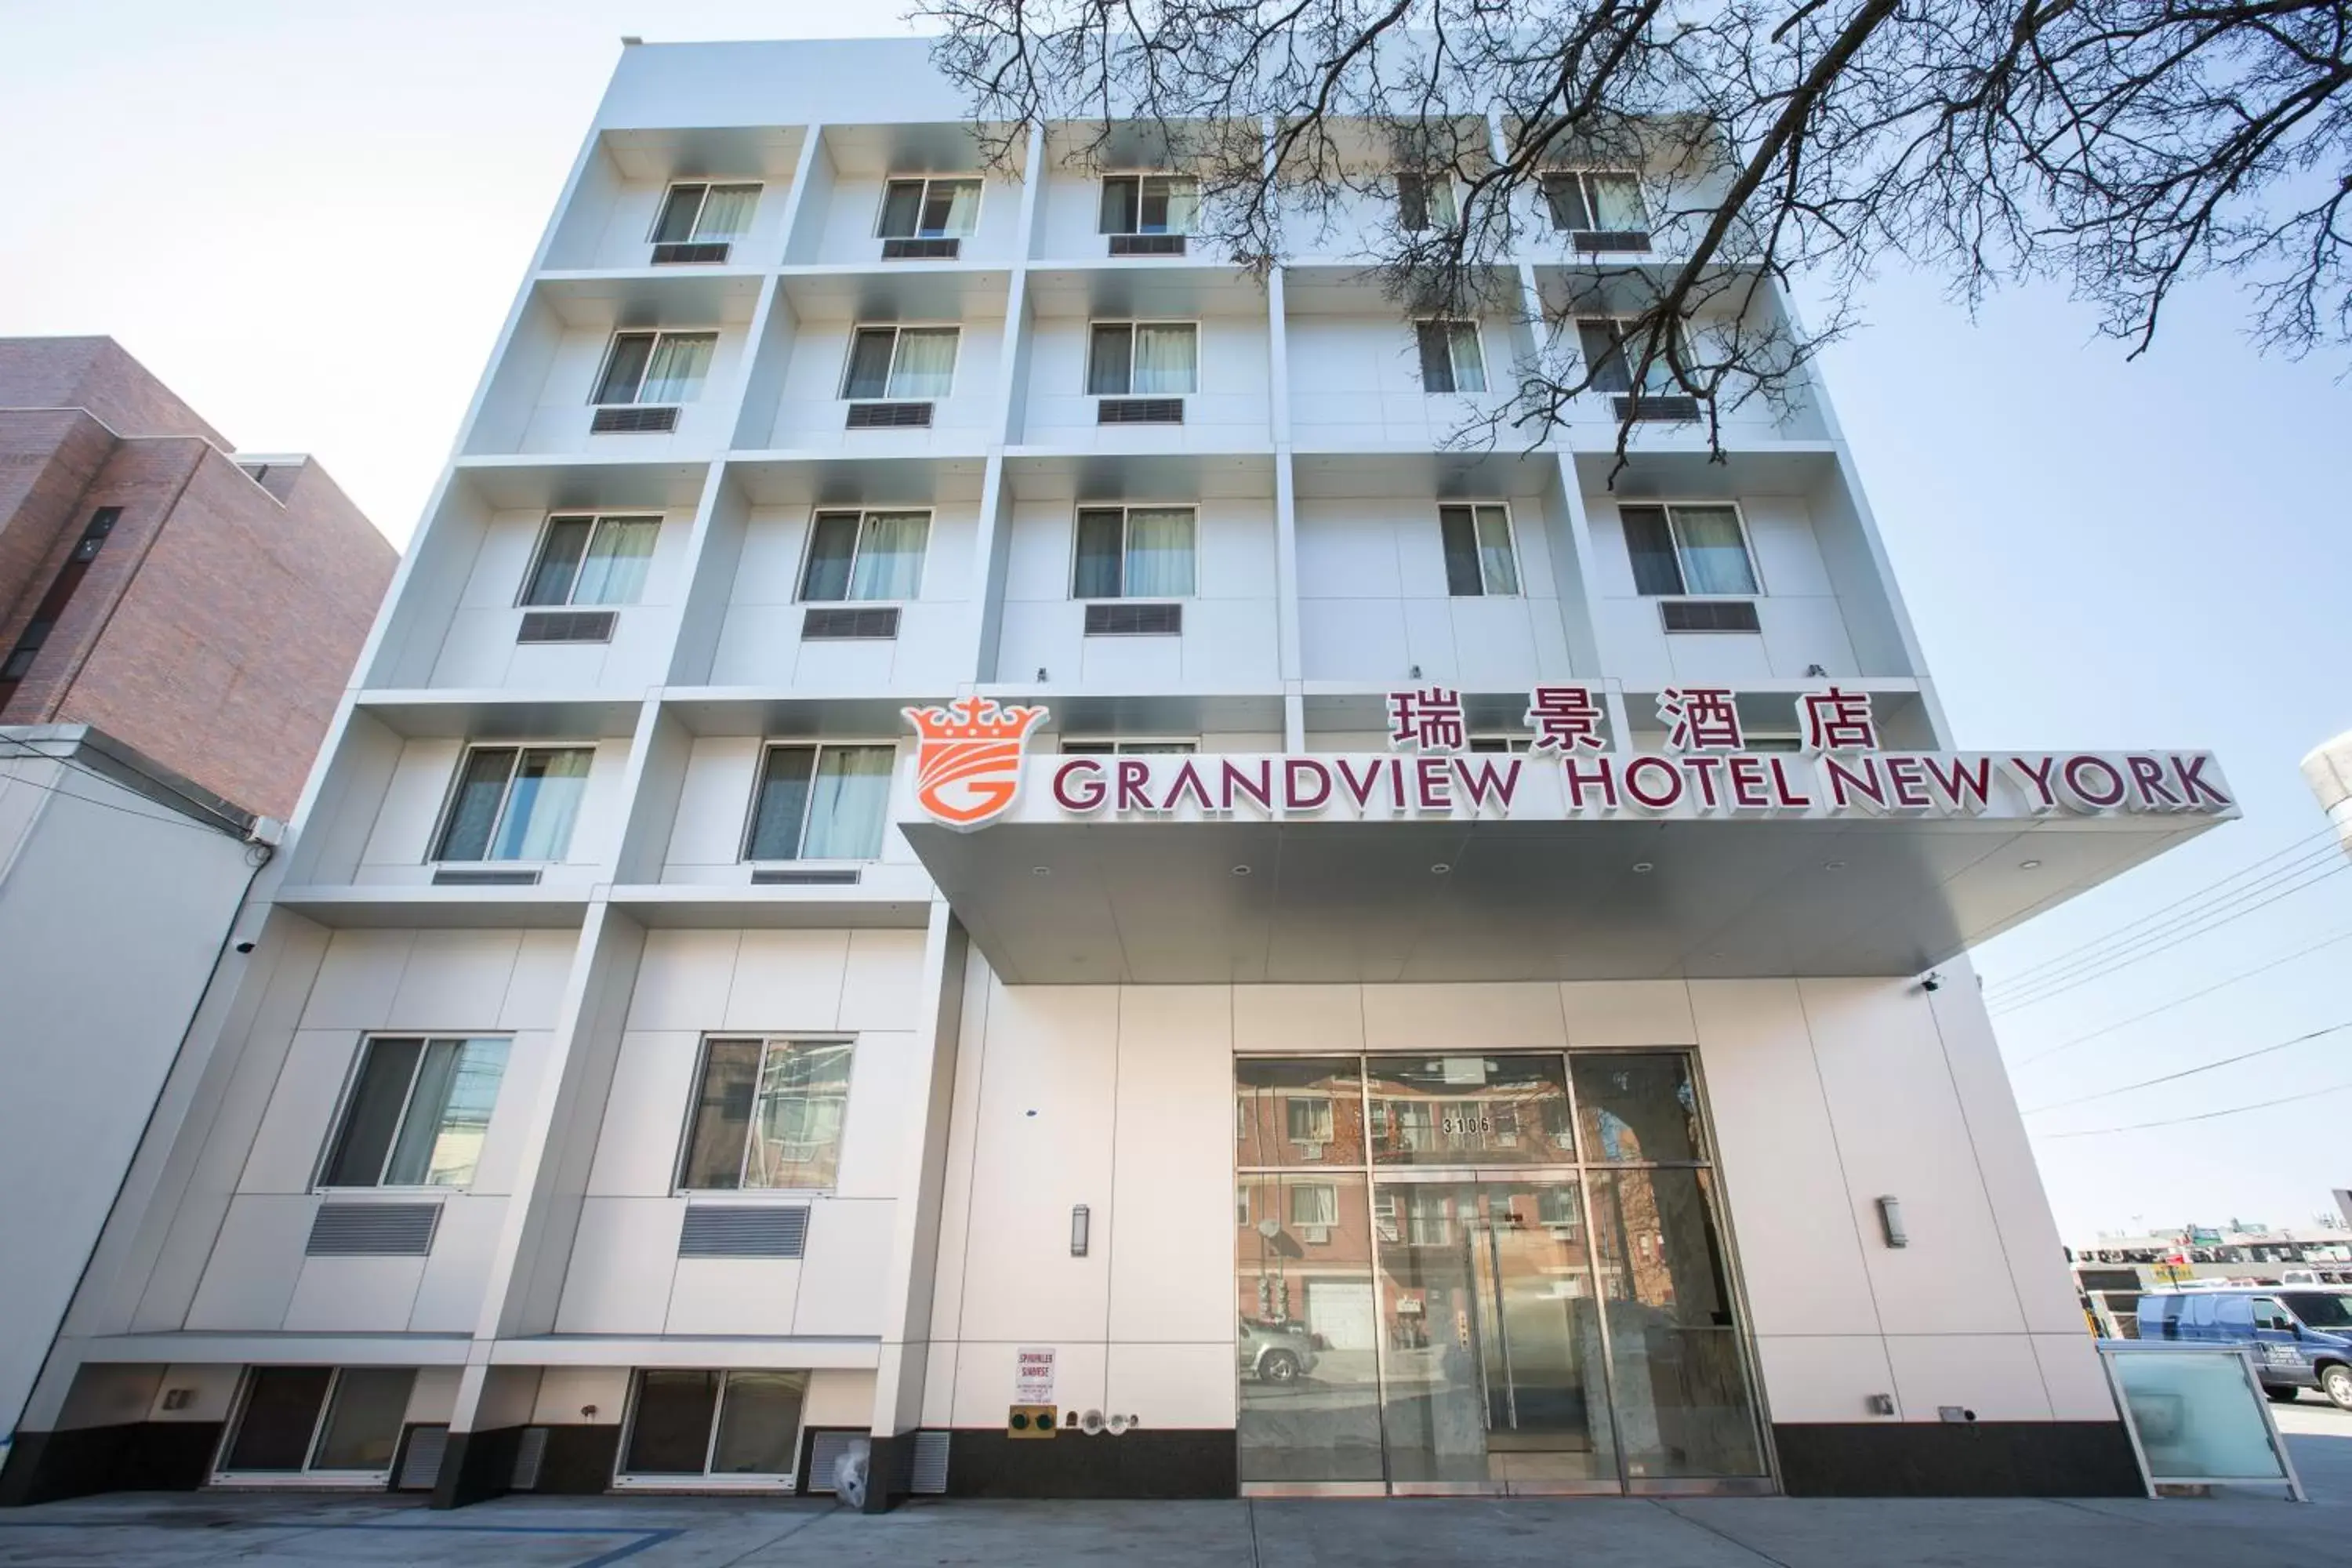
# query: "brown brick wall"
(95, 373)
(47, 459)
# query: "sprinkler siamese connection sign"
(971, 770)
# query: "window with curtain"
(865, 555)
(705, 213)
(1478, 556)
(1143, 359)
(514, 803)
(1133, 552)
(418, 1112)
(1426, 202)
(592, 561)
(820, 803)
(1451, 360)
(928, 209)
(1678, 550)
(1593, 199)
(1613, 350)
(767, 1113)
(1150, 203)
(655, 367)
(913, 363)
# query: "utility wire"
(2023, 977)
(75, 765)
(188, 823)
(2181, 1001)
(2207, 1115)
(2191, 1072)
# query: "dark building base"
(1138, 1464)
(137, 1456)
(1981, 1458)
(578, 1461)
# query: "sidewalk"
(1762, 1532)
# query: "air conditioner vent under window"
(889, 416)
(630, 421)
(1146, 245)
(566, 626)
(825, 1451)
(867, 623)
(930, 1478)
(420, 1462)
(372, 1230)
(1610, 239)
(1708, 616)
(529, 1455)
(1139, 411)
(1678, 410)
(1126, 620)
(707, 253)
(921, 250)
(808, 877)
(486, 876)
(743, 1230)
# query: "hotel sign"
(971, 770)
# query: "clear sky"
(309, 220)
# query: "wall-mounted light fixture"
(1890, 1222)
(1078, 1218)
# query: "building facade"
(202, 605)
(964, 826)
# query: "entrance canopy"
(1074, 884)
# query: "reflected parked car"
(2299, 1339)
(1275, 1352)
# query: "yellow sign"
(1029, 1421)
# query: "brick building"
(204, 606)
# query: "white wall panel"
(355, 1295)
(683, 980)
(1171, 1386)
(881, 988)
(449, 1297)
(838, 1396)
(455, 981)
(1995, 1376)
(1823, 1377)
(714, 805)
(1167, 1221)
(848, 1257)
(733, 1295)
(564, 1389)
(286, 1150)
(510, 1130)
(1629, 1013)
(787, 980)
(621, 1264)
(1299, 1017)
(358, 979)
(2073, 1378)
(883, 1111)
(1472, 1018)
(984, 1382)
(645, 1117)
(542, 964)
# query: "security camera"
(1933, 981)
(246, 946)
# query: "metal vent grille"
(1610, 239)
(420, 1466)
(1146, 245)
(930, 1476)
(1139, 411)
(708, 252)
(889, 416)
(795, 877)
(863, 623)
(567, 626)
(1123, 620)
(530, 1454)
(739, 1230)
(632, 421)
(1682, 410)
(825, 1449)
(1708, 616)
(372, 1230)
(486, 876)
(921, 250)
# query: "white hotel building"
(626, 1082)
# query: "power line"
(2025, 978)
(2181, 1001)
(2206, 1115)
(2191, 1072)
(105, 804)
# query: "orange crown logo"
(968, 758)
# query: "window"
(1696, 550)
(1613, 350)
(592, 561)
(655, 367)
(1128, 748)
(1143, 359)
(865, 555)
(914, 362)
(768, 1115)
(1477, 545)
(1499, 744)
(928, 209)
(740, 1424)
(1309, 1119)
(45, 614)
(1133, 552)
(1595, 200)
(514, 803)
(1150, 203)
(1426, 202)
(700, 214)
(2269, 1314)
(1314, 1206)
(318, 1420)
(820, 803)
(417, 1113)
(1450, 356)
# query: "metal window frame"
(1125, 746)
(1126, 509)
(442, 825)
(309, 1475)
(625, 1480)
(612, 346)
(701, 205)
(1453, 370)
(739, 1192)
(897, 330)
(808, 808)
(927, 182)
(864, 514)
(1510, 526)
(1138, 176)
(1583, 175)
(1087, 360)
(595, 522)
(346, 1103)
(1674, 532)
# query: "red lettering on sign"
(1078, 785)
(1482, 781)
